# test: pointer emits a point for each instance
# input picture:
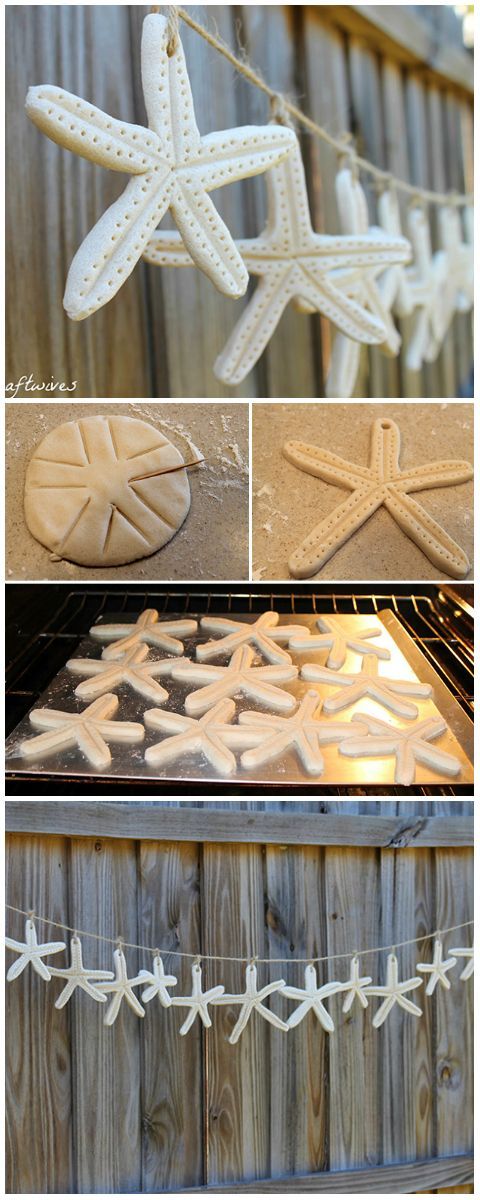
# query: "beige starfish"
(387, 692)
(90, 730)
(304, 733)
(76, 975)
(146, 629)
(355, 986)
(31, 952)
(251, 1000)
(393, 992)
(158, 983)
(395, 283)
(121, 989)
(131, 670)
(211, 735)
(265, 633)
(408, 745)
(460, 277)
(198, 1002)
(428, 281)
(437, 970)
(311, 997)
(381, 483)
(240, 677)
(338, 641)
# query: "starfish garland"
(337, 640)
(428, 280)
(366, 683)
(31, 952)
(121, 989)
(172, 167)
(90, 730)
(465, 952)
(311, 996)
(158, 982)
(437, 970)
(409, 744)
(198, 1002)
(264, 634)
(238, 677)
(147, 628)
(355, 986)
(393, 992)
(131, 670)
(77, 975)
(381, 483)
(304, 733)
(212, 735)
(251, 1000)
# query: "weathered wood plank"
(399, 1177)
(454, 1009)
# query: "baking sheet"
(407, 662)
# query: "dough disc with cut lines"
(96, 492)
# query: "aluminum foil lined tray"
(406, 662)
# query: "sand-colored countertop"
(213, 541)
(287, 503)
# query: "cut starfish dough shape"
(121, 989)
(173, 168)
(198, 1002)
(333, 637)
(304, 733)
(393, 992)
(311, 997)
(31, 953)
(408, 745)
(381, 483)
(264, 634)
(211, 735)
(251, 1000)
(131, 670)
(240, 677)
(146, 629)
(103, 491)
(437, 970)
(78, 976)
(387, 692)
(90, 730)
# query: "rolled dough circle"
(87, 498)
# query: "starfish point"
(90, 730)
(465, 952)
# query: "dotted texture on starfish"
(240, 677)
(407, 744)
(387, 692)
(148, 630)
(383, 482)
(104, 491)
(90, 730)
(172, 167)
(31, 953)
(264, 634)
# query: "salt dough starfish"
(409, 744)
(460, 279)
(337, 640)
(172, 167)
(239, 677)
(394, 992)
(131, 669)
(198, 1002)
(428, 281)
(251, 1000)
(367, 683)
(211, 735)
(264, 634)
(90, 730)
(158, 982)
(147, 628)
(381, 483)
(462, 952)
(304, 733)
(355, 986)
(394, 285)
(311, 996)
(78, 976)
(121, 989)
(294, 263)
(437, 970)
(32, 952)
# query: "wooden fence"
(138, 1108)
(395, 76)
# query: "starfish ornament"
(32, 952)
(460, 279)
(131, 670)
(90, 730)
(311, 996)
(355, 986)
(428, 281)
(409, 744)
(264, 634)
(121, 989)
(172, 167)
(437, 970)
(77, 975)
(239, 677)
(381, 483)
(158, 982)
(366, 683)
(335, 639)
(304, 733)
(393, 992)
(251, 1000)
(198, 1002)
(146, 629)
(394, 285)
(211, 735)
(463, 952)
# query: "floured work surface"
(407, 662)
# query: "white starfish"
(428, 281)
(239, 677)
(147, 628)
(90, 730)
(131, 669)
(409, 744)
(121, 989)
(311, 996)
(464, 952)
(355, 986)
(394, 285)
(251, 1000)
(198, 1002)
(437, 970)
(304, 732)
(211, 735)
(265, 633)
(367, 683)
(172, 166)
(393, 992)
(158, 982)
(460, 278)
(78, 976)
(337, 640)
(32, 952)
(383, 482)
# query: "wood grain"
(398, 1177)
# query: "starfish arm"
(369, 747)
(406, 687)
(344, 364)
(89, 666)
(113, 1009)
(224, 645)
(50, 718)
(121, 731)
(133, 1001)
(382, 1013)
(17, 967)
(324, 465)
(204, 698)
(392, 342)
(218, 754)
(164, 752)
(146, 686)
(207, 238)
(361, 648)
(344, 699)
(46, 743)
(323, 1016)
(440, 474)
(296, 1017)
(437, 759)
(163, 641)
(242, 152)
(405, 768)
(187, 1024)
(435, 543)
(323, 294)
(272, 1018)
(242, 1022)
(333, 532)
(86, 130)
(416, 351)
(270, 650)
(255, 327)
(11, 944)
(41, 968)
(385, 449)
(68, 991)
(349, 998)
(167, 92)
(91, 990)
(101, 683)
(167, 722)
(91, 743)
(166, 249)
(409, 1006)
(273, 697)
(197, 672)
(110, 251)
